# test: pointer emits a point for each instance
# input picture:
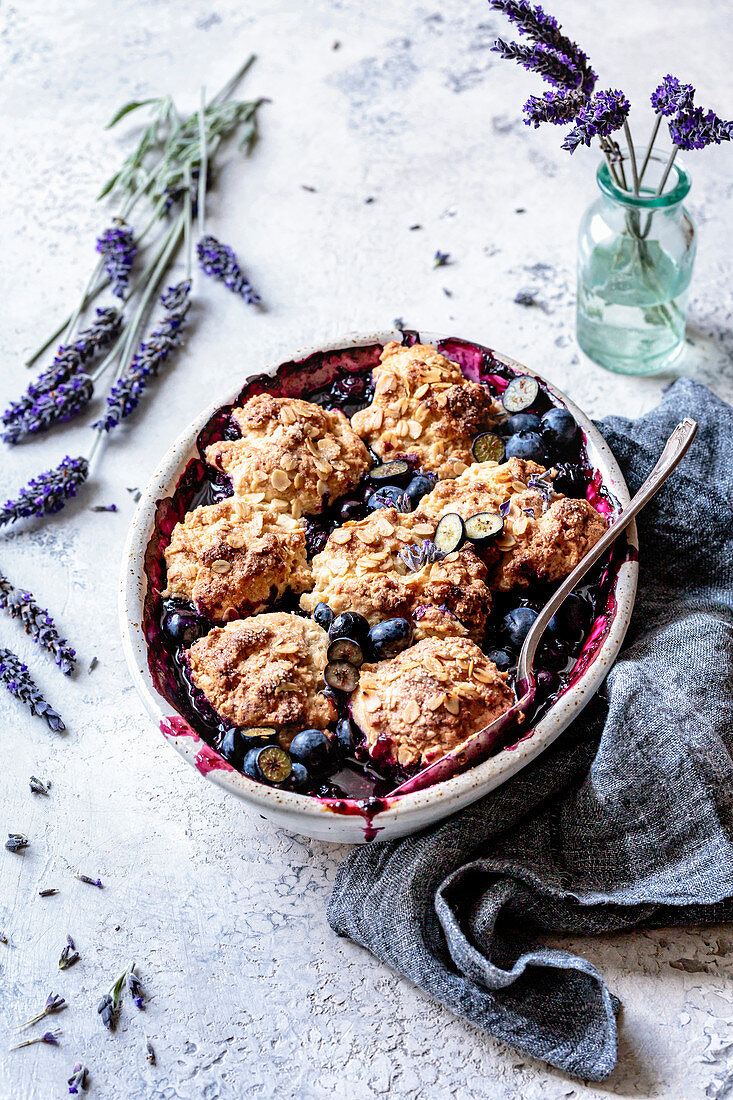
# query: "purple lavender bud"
(220, 262)
(78, 1079)
(69, 361)
(37, 623)
(696, 129)
(51, 1037)
(14, 674)
(117, 246)
(556, 108)
(17, 842)
(90, 881)
(671, 97)
(150, 356)
(53, 407)
(605, 113)
(47, 493)
(135, 989)
(532, 22)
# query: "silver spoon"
(478, 746)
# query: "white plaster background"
(251, 993)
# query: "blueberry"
(351, 509)
(527, 445)
(316, 537)
(323, 615)
(349, 388)
(389, 638)
(349, 624)
(419, 487)
(501, 659)
(312, 749)
(389, 496)
(559, 429)
(183, 627)
(523, 422)
(553, 655)
(345, 737)
(233, 747)
(571, 619)
(299, 776)
(517, 624)
(249, 764)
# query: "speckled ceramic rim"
(304, 814)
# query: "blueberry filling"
(335, 764)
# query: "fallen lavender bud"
(56, 406)
(69, 955)
(415, 557)
(37, 623)
(17, 842)
(50, 1037)
(69, 361)
(149, 1052)
(441, 259)
(78, 1079)
(54, 1003)
(125, 394)
(91, 881)
(17, 679)
(118, 248)
(135, 988)
(37, 786)
(47, 893)
(104, 508)
(93, 664)
(46, 494)
(219, 261)
(4, 938)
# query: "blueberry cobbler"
(340, 586)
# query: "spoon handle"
(674, 451)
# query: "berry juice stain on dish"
(392, 555)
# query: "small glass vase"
(635, 259)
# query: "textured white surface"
(251, 993)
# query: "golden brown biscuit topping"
(265, 671)
(428, 700)
(230, 560)
(293, 456)
(423, 406)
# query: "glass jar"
(635, 259)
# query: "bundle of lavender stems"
(160, 191)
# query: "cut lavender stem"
(37, 623)
(14, 674)
(50, 1037)
(54, 1003)
(118, 249)
(47, 494)
(219, 261)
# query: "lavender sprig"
(69, 361)
(605, 113)
(671, 97)
(14, 674)
(37, 623)
(50, 1037)
(69, 955)
(152, 353)
(553, 66)
(17, 842)
(54, 1003)
(219, 261)
(47, 493)
(696, 129)
(118, 249)
(78, 1079)
(538, 26)
(416, 557)
(53, 407)
(557, 108)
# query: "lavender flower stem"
(649, 147)
(230, 85)
(667, 170)
(93, 293)
(632, 156)
(203, 167)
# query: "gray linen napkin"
(627, 819)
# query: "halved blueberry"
(323, 615)
(559, 429)
(390, 471)
(420, 486)
(341, 676)
(517, 625)
(520, 393)
(389, 496)
(389, 638)
(483, 526)
(523, 422)
(450, 534)
(349, 624)
(345, 738)
(501, 659)
(273, 764)
(527, 445)
(312, 749)
(488, 447)
(345, 649)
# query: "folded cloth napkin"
(626, 820)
